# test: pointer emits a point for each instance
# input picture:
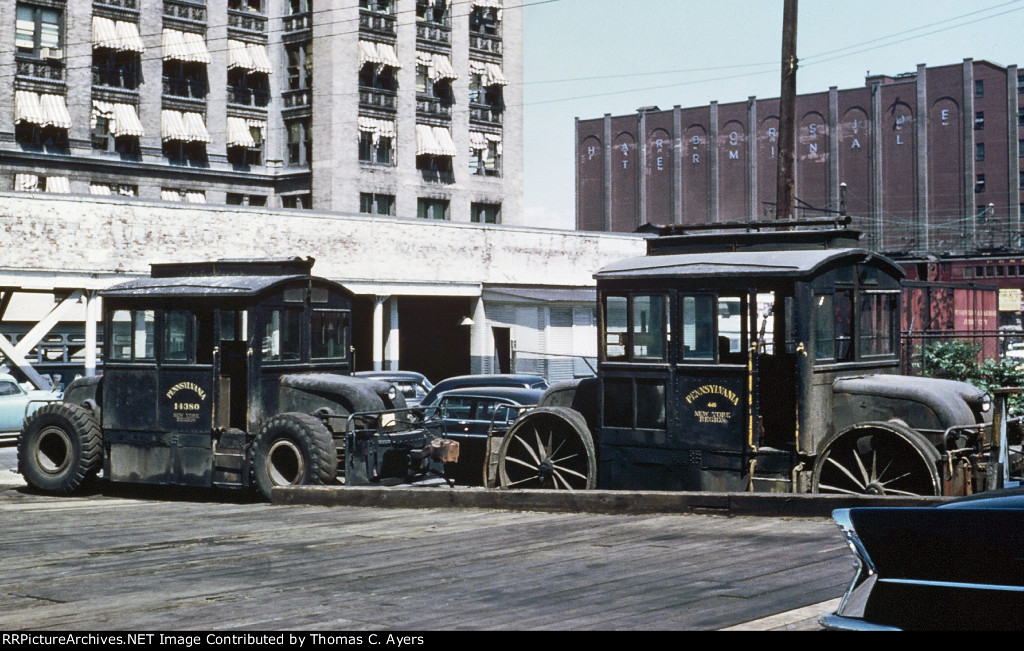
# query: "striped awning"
(102, 189)
(195, 196)
(248, 56)
(488, 4)
(240, 132)
(26, 182)
(490, 73)
(480, 141)
(58, 184)
(170, 195)
(382, 54)
(42, 110)
(379, 128)
(187, 127)
(184, 46)
(439, 66)
(117, 35)
(434, 141)
(122, 120)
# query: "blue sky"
(585, 58)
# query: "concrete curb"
(622, 502)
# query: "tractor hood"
(940, 403)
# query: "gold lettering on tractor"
(708, 408)
(186, 412)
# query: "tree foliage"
(958, 360)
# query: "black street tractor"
(754, 359)
(230, 373)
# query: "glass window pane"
(121, 335)
(615, 327)
(824, 327)
(877, 316)
(144, 329)
(176, 335)
(650, 404)
(330, 334)
(698, 327)
(730, 329)
(618, 403)
(843, 304)
(649, 321)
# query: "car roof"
(497, 379)
(520, 395)
(392, 375)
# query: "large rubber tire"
(293, 449)
(60, 449)
(549, 447)
(878, 458)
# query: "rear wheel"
(878, 459)
(293, 449)
(60, 449)
(548, 448)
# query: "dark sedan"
(471, 416)
(484, 380)
(958, 566)
(412, 385)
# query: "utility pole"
(787, 101)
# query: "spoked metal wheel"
(548, 448)
(878, 459)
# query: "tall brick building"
(413, 109)
(931, 161)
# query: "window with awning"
(381, 54)
(184, 127)
(434, 141)
(490, 73)
(58, 184)
(376, 141)
(26, 183)
(184, 46)
(485, 150)
(438, 66)
(117, 35)
(121, 119)
(43, 110)
(245, 133)
(248, 56)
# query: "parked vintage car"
(957, 566)
(15, 404)
(484, 380)
(414, 386)
(471, 416)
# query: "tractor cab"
(718, 354)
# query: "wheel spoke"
(528, 448)
(570, 471)
(571, 456)
(886, 483)
(839, 490)
(847, 472)
(522, 481)
(895, 491)
(558, 477)
(520, 462)
(863, 471)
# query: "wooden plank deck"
(137, 560)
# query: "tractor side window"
(650, 327)
(843, 305)
(730, 330)
(132, 334)
(877, 324)
(630, 403)
(824, 327)
(176, 326)
(615, 327)
(699, 327)
(282, 336)
(330, 334)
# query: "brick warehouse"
(930, 161)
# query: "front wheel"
(60, 449)
(291, 450)
(882, 458)
(549, 447)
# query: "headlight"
(392, 392)
(986, 404)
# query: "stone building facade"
(413, 109)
